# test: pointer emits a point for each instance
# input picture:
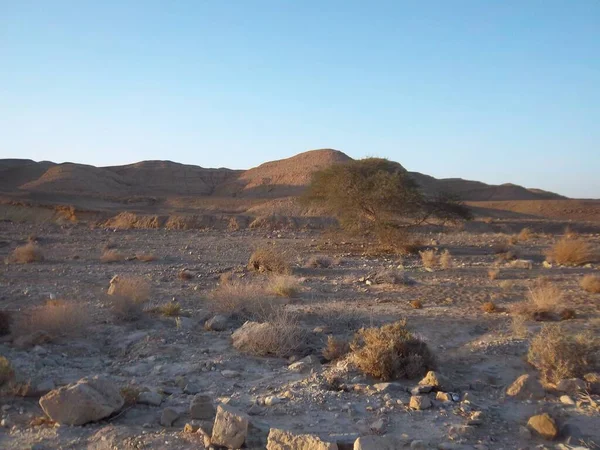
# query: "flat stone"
(284, 440)
(217, 323)
(544, 425)
(168, 416)
(526, 387)
(151, 398)
(201, 407)
(389, 387)
(387, 442)
(566, 400)
(419, 402)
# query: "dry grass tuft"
(57, 318)
(28, 253)
(145, 257)
(519, 327)
(284, 286)
(416, 304)
(281, 336)
(559, 355)
(6, 371)
(591, 283)
(171, 309)
(429, 258)
(493, 273)
(525, 234)
(390, 352)
(335, 348)
(489, 307)
(571, 252)
(543, 301)
(446, 260)
(246, 299)
(129, 294)
(111, 255)
(269, 259)
(5, 322)
(396, 241)
(319, 262)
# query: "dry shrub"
(185, 274)
(171, 309)
(446, 260)
(429, 258)
(111, 255)
(567, 314)
(246, 299)
(571, 252)
(269, 259)
(284, 286)
(416, 304)
(559, 355)
(281, 336)
(397, 241)
(129, 294)
(6, 371)
(493, 273)
(390, 352)
(519, 326)
(336, 348)
(506, 284)
(489, 307)
(5, 322)
(525, 234)
(591, 283)
(57, 318)
(319, 262)
(545, 296)
(28, 253)
(226, 278)
(145, 257)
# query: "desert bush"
(396, 241)
(129, 295)
(559, 355)
(145, 257)
(28, 253)
(335, 348)
(244, 299)
(281, 336)
(445, 260)
(429, 258)
(284, 286)
(493, 273)
(571, 252)
(6, 371)
(57, 318)
(545, 295)
(111, 255)
(591, 283)
(416, 304)
(5, 322)
(390, 352)
(489, 307)
(319, 262)
(269, 259)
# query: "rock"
(378, 426)
(521, 264)
(418, 390)
(245, 337)
(190, 428)
(418, 445)
(258, 433)
(88, 400)
(476, 418)
(201, 407)
(272, 400)
(419, 402)
(150, 398)
(526, 387)
(305, 364)
(191, 389)
(284, 440)
(168, 416)
(230, 428)
(443, 397)
(571, 385)
(230, 373)
(387, 442)
(547, 265)
(436, 380)
(217, 323)
(31, 340)
(566, 400)
(544, 425)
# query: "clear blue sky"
(493, 90)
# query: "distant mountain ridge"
(281, 178)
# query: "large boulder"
(544, 425)
(88, 400)
(230, 428)
(526, 387)
(284, 440)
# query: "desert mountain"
(281, 178)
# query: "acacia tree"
(377, 195)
